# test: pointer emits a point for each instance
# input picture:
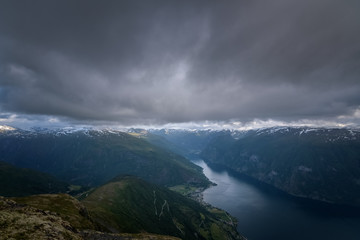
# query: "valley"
(122, 189)
(179, 120)
(264, 212)
(319, 164)
(138, 182)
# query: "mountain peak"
(6, 128)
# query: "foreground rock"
(19, 221)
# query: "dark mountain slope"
(321, 164)
(93, 157)
(185, 142)
(128, 204)
(158, 140)
(15, 182)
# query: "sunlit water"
(266, 214)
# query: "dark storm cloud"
(178, 61)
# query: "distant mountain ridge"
(316, 163)
(92, 157)
(189, 143)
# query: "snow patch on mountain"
(6, 128)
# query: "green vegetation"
(124, 208)
(184, 190)
(128, 204)
(66, 206)
(92, 158)
(17, 182)
(91, 235)
(25, 222)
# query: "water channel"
(264, 213)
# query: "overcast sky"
(180, 62)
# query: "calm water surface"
(266, 214)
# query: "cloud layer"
(146, 62)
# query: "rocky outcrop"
(23, 222)
(20, 221)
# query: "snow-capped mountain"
(326, 134)
(93, 156)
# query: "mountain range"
(93, 157)
(121, 181)
(313, 163)
(112, 205)
(320, 164)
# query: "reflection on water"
(267, 214)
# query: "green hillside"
(94, 157)
(54, 216)
(16, 181)
(128, 204)
(125, 208)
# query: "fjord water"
(267, 214)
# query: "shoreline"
(346, 210)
